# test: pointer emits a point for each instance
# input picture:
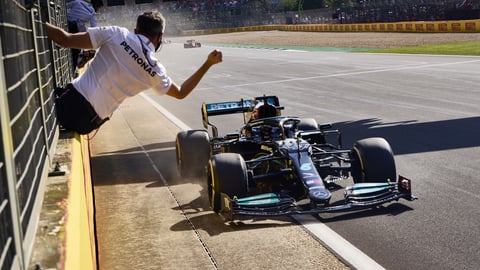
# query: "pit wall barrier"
(30, 68)
(80, 244)
(466, 26)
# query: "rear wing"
(231, 107)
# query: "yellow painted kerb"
(79, 248)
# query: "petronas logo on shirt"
(138, 59)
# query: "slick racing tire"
(373, 161)
(307, 124)
(310, 124)
(193, 152)
(227, 173)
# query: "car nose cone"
(319, 195)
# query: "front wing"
(357, 197)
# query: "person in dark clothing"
(79, 14)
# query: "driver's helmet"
(264, 110)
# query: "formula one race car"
(281, 165)
(191, 43)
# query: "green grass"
(451, 48)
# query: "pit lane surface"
(425, 106)
(147, 217)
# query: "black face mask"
(158, 46)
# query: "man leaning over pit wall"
(124, 65)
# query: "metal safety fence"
(30, 67)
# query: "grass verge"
(451, 48)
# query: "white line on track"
(166, 113)
(350, 255)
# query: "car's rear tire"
(227, 173)
(307, 124)
(373, 161)
(310, 124)
(193, 152)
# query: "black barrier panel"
(6, 237)
(46, 75)
(20, 91)
(16, 67)
(3, 183)
(30, 69)
(18, 39)
(7, 243)
(50, 116)
(27, 153)
(28, 74)
(6, 232)
(6, 228)
(30, 184)
(14, 14)
(26, 127)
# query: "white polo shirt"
(124, 66)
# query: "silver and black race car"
(280, 165)
(191, 43)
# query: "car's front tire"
(373, 161)
(227, 173)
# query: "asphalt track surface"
(148, 217)
(426, 106)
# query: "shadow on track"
(392, 209)
(410, 137)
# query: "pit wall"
(79, 249)
(466, 26)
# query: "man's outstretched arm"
(79, 40)
(189, 84)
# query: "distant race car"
(280, 165)
(191, 43)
